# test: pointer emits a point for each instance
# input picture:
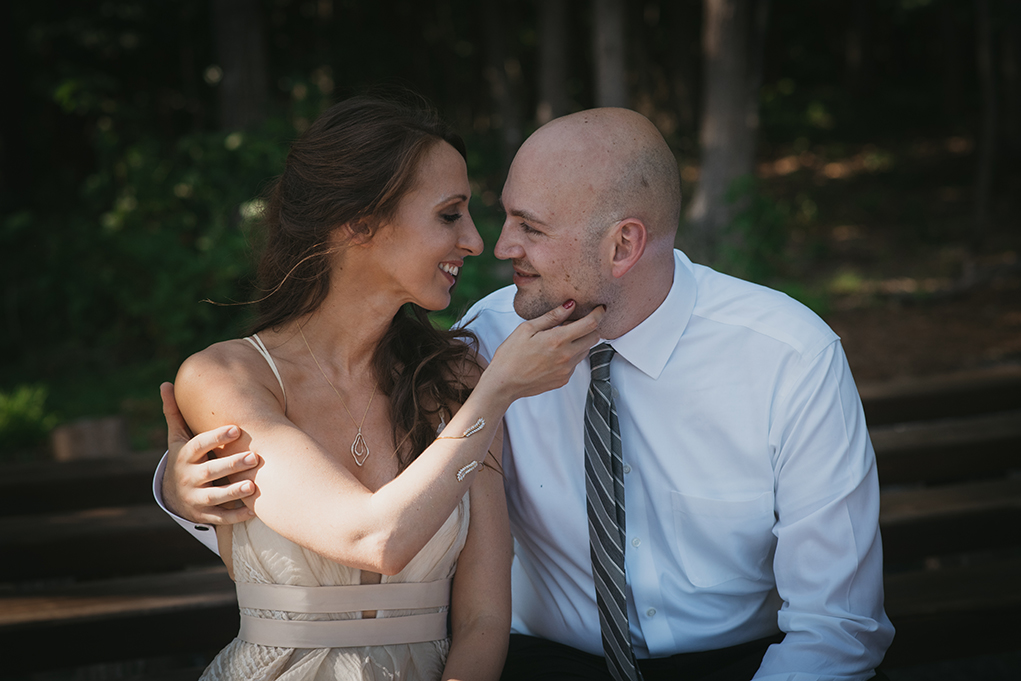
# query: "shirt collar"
(649, 345)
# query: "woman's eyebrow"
(452, 197)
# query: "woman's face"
(423, 248)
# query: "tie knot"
(599, 358)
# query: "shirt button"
(651, 612)
(627, 469)
(636, 542)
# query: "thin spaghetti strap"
(260, 347)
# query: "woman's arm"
(306, 495)
(481, 596)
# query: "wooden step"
(55, 627)
(988, 445)
(976, 516)
(96, 543)
(52, 486)
(948, 396)
(954, 612)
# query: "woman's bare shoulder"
(232, 359)
(227, 372)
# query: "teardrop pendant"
(359, 449)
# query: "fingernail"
(233, 431)
(246, 487)
(250, 459)
(569, 304)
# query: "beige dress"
(263, 557)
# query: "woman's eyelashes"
(450, 218)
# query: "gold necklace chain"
(359, 448)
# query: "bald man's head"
(592, 202)
(617, 159)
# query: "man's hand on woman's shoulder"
(191, 483)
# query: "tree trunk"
(857, 53)
(17, 161)
(553, 34)
(241, 53)
(987, 144)
(681, 19)
(503, 72)
(953, 57)
(608, 51)
(732, 45)
(1010, 65)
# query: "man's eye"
(450, 217)
(528, 229)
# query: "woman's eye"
(450, 217)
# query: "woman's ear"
(358, 231)
(630, 237)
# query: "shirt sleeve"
(829, 558)
(203, 533)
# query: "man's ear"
(629, 239)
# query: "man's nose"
(506, 247)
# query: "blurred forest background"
(862, 156)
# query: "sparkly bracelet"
(475, 427)
(461, 474)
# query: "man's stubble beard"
(532, 307)
(598, 292)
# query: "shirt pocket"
(721, 540)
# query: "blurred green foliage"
(156, 229)
(24, 421)
(752, 245)
(123, 207)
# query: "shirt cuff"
(203, 533)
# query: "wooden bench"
(93, 564)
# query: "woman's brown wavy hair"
(353, 166)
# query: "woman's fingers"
(542, 353)
(554, 317)
(577, 336)
(585, 327)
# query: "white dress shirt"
(751, 492)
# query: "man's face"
(547, 238)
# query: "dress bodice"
(262, 556)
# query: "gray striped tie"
(604, 489)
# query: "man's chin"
(533, 309)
